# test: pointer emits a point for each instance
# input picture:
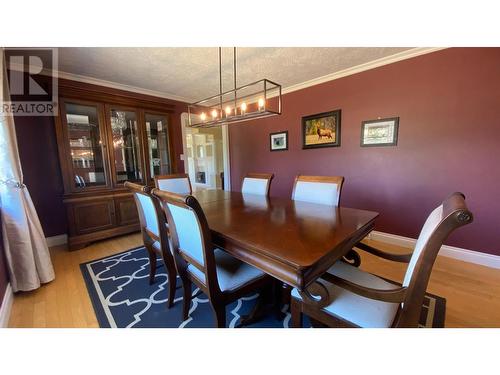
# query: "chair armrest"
(403, 258)
(392, 295)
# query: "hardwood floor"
(472, 292)
(65, 302)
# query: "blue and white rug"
(119, 288)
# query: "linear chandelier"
(255, 100)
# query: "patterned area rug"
(122, 297)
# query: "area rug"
(119, 288)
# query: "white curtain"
(26, 250)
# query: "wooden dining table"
(293, 241)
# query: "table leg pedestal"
(353, 258)
(316, 294)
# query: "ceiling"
(192, 73)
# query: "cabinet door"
(92, 216)
(125, 140)
(126, 211)
(85, 142)
(158, 145)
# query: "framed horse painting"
(321, 130)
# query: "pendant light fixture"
(252, 101)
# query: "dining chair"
(220, 276)
(257, 183)
(318, 189)
(178, 183)
(355, 298)
(322, 190)
(154, 234)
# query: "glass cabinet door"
(158, 146)
(126, 146)
(85, 146)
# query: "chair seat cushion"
(231, 273)
(359, 310)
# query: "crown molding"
(404, 55)
(105, 83)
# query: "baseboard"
(8, 298)
(61, 239)
(476, 257)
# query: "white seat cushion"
(231, 273)
(361, 311)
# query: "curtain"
(28, 258)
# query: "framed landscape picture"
(381, 132)
(321, 130)
(279, 141)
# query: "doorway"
(206, 156)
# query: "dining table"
(293, 241)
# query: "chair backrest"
(190, 235)
(318, 189)
(178, 183)
(257, 183)
(450, 215)
(151, 216)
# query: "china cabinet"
(106, 137)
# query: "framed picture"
(321, 130)
(381, 132)
(279, 141)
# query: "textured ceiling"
(192, 73)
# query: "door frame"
(225, 150)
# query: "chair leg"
(220, 315)
(186, 285)
(277, 299)
(152, 265)
(286, 291)
(172, 286)
(296, 313)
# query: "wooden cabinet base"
(79, 242)
(100, 216)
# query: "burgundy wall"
(40, 162)
(449, 140)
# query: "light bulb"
(261, 103)
(203, 116)
(243, 107)
(214, 113)
(228, 110)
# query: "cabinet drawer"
(93, 216)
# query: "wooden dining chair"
(257, 183)
(178, 183)
(318, 189)
(154, 234)
(220, 276)
(360, 299)
(322, 190)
